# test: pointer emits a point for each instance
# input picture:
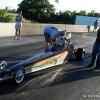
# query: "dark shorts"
(47, 37)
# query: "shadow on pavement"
(50, 77)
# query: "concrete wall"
(8, 29)
(33, 29)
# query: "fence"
(12, 20)
(4, 19)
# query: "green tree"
(83, 12)
(13, 11)
(10, 18)
(57, 1)
(36, 9)
(73, 16)
(3, 12)
(93, 13)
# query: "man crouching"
(51, 34)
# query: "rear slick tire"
(80, 53)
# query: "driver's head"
(62, 33)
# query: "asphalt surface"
(69, 81)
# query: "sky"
(63, 5)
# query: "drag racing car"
(43, 60)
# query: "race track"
(70, 81)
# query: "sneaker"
(15, 38)
(90, 65)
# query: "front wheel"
(19, 75)
(80, 53)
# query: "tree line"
(43, 11)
